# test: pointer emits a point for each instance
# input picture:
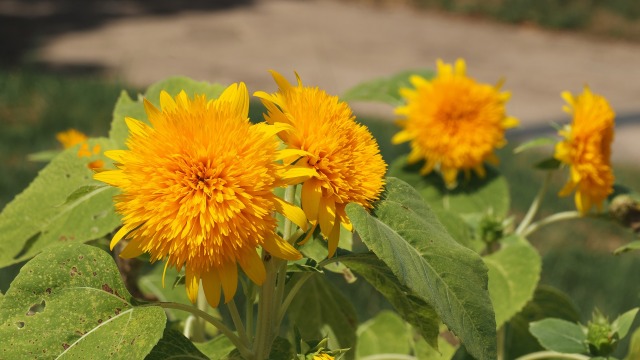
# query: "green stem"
(291, 295)
(210, 319)
(535, 205)
(261, 344)
(561, 216)
(199, 323)
(249, 310)
(500, 343)
(552, 355)
(237, 322)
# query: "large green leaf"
(386, 333)
(547, 302)
(472, 197)
(70, 302)
(386, 90)
(514, 272)
(173, 345)
(41, 216)
(634, 346)
(407, 236)
(411, 307)
(319, 310)
(560, 335)
(217, 348)
(127, 107)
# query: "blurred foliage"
(620, 18)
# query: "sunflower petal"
(310, 198)
(334, 239)
(132, 250)
(291, 212)
(279, 248)
(252, 265)
(124, 230)
(229, 278)
(192, 282)
(211, 286)
(327, 214)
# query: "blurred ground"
(336, 45)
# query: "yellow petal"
(283, 84)
(136, 127)
(166, 102)
(153, 114)
(297, 174)
(252, 265)
(279, 248)
(211, 287)
(111, 177)
(334, 239)
(327, 214)
(164, 272)
(229, 278)
(402, 136)
(309, 234)
(238, 96)
(192, 281)
(310, 198)
(286, 153)
(131, 251)
(119, 235)
(182, 100)
(291, 212)
(116, 155)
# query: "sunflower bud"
(601, 338)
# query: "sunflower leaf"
(514, 272)
(470, 198)
(560, 335)
(70, 301)
(407, 236)
(41, 216)
(386, 333)
(174, 345)
(385, 90)
(320, 310)
(411, 307)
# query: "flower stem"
(292, 293)
(535, 205)
(552, 355)
(565, 215)
(210, 319)
(262, 345)
(237, 322)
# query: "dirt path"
(336, 45)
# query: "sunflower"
(453, 122)
(71, 137)
(197, 190)
(586, 148)
(339, 158)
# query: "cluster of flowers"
(455, 124)
(197, 185)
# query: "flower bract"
(453, 122)
(338, 157)
(196, 190)
(586, 148)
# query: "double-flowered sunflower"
(453, 122)
(340, 157)
(197, 190)
(586, 148)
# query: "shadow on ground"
(26, 24)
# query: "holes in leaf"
(20, 324)
(36, 308)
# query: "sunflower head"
(196, 190)
(339, 158)
(453, 123)
(586, 148)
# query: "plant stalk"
(535, 205)
(561, 216)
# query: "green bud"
(601, 339)
(490, 229)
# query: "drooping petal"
(252, 266)
(229, 279)
(311, 195)
(211, 285)
(192, 283)
(278, 247)
(291, 212)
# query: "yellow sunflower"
(453, 122)
(197, 190)
(586, 148)
(339, 157)
(71, 137)
(323, 357)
